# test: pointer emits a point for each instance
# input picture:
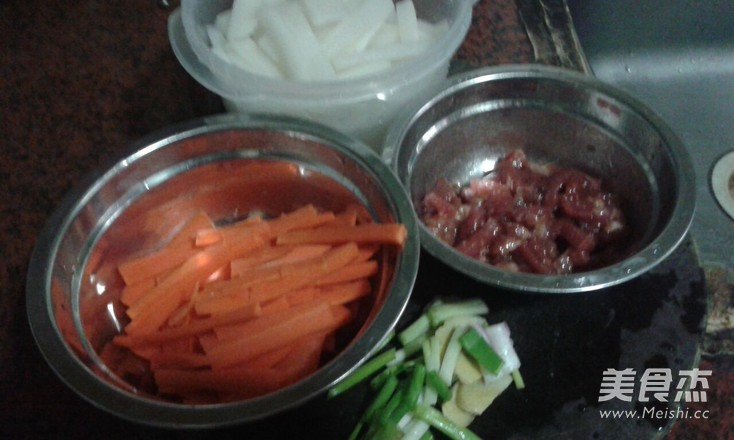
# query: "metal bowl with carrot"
(226, 270)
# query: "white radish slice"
(407, 21)
(248, 55)
(369, 14)
(432, 31)
(392, 54)
(221, 21)
(323, 12)
(218, 42)
(297, 50)
(387, 35)
(244, 19)
(364, 69)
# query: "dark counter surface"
(79, 81)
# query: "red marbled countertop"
(79, 81)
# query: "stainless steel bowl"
(560, 117)
(73, 310)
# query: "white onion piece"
(498, 337)
(367, 15)
(407, 21)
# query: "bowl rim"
(347, 90)
(645, 259)
(149, 411)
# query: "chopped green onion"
(354, 435)
(436, 383)
(436, 419)
(517, 378)
(417, 328)
(450, 356)
(412, 393)
(477, 348)
(362, 372)
(441, 312)
(385, 393)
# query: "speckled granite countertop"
(79, 81)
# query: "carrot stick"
(300, 253)
(195, 327)
(275, 306)
(241, 265)
(173, 254)
(383, 233)
(301, 296)
(351, 272)
(222, 304)
(304, 217)
(298, 276)
(208, 340)
(271, 358)
(131, 293)
(367, 251)
(316, 317)
(339, 294)
(152, 310)
(206, 237)
(179, 360)
(269, 283)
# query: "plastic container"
(361, 107)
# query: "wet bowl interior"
(558, 117)
(73, 288)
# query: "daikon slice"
(248, 55)
(218, 42)
(363, 69)
(368, 14)
(297, 50)
(387, 35)
(221, 21)
(394, 53)
(243, 20)
(323, 12)
(407, 21)
(432, 31)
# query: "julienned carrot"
(344, 293)
(206, 237)
(244, 264)
(131, 293)
(383, 233)
(152, 310)
(302, 218)
(174, 253)
(315, 318)
(229, 332)
(279, 281)
(251, 379)
(194, 327)
(247, 304)
(351, 272)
